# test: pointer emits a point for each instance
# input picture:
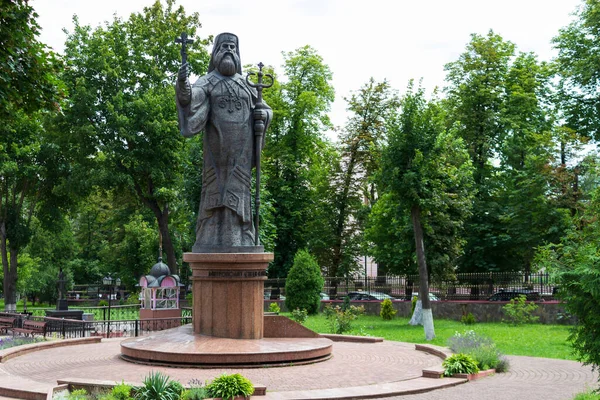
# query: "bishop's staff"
(259, 130)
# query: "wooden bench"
(31, 328)
(7, 323)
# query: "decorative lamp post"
(108, 281)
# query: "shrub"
(413, 301)
(158, 386)
(387, 311)
(229, 386)
(197, 391)
(503, 365)
(459, 364)
(299, 315)
(121, 391)
(274, 307)
(304, 283)
(79, 394)
(519, 312)
(481, 348)
(468, 319)
(346, 303)
(340, 321)
(103, 303)
(133, 299)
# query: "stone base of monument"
(228, 326)
(285, 342)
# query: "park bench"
(7, 323)
(31, 328)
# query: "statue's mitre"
(226, 37)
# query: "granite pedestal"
(228, 324)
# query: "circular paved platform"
(181, 347)
(352, 364)
(357, 370)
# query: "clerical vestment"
(223, 108)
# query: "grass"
(534, 340)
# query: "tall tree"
(121, 80)
(428, 171)
(294, 150)
(29, 94)
(350, 185)
(499, 102)
(578, 69)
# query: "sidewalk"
(356, 370)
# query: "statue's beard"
(226, 64)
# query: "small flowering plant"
(7, 341)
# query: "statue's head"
(225, 56)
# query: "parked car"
(369, 296)
(432, 297)
(508, 295)
(268, 295)
(324, 296)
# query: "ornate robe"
(223, 108)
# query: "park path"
(380, 366)
(529, 378)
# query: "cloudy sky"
(418, 36)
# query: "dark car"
(369, 296)
(508, 295)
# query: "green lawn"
(534, 340)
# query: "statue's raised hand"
(183, 72)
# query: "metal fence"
(69, 328)
(467, 286)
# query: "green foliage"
(103, 303)
(340, 321)
(158, 386)
(304, 283)
(413, 304)
(274, 307)
(197, 391)
(459, 364)
(468, 319)
(578, 70)
(123, 114)
(229, 386)
(387, 311)
(576, 264)
(297, 156)
(346, 303)
(344, 185)
(299, 315)
(518, 311)
(425, 171)
(27, 68)
(589, 395)
(79, 394)
(481, 348)
(122, 391)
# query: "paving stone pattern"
(529, 378)
(353, 365)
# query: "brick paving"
(529, 378)
(385, 367)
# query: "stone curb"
(29, 348)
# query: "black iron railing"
(69, 328)
(475, 286)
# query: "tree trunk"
(415, 214)
(163, 226)
(10, 272)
